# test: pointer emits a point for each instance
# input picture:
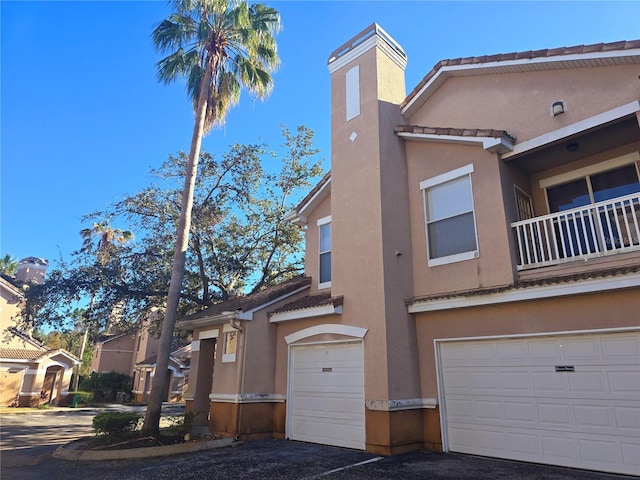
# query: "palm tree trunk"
(160, 380)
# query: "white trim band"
(246, 397)
(532, 293)
(400, 405)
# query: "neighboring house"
(121, 352)
(133, 353)
(31, 374)
(178, 374)
(472, 268)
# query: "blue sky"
(83, 118)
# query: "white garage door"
(326, 399)
(562, 400)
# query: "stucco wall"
(563, 314)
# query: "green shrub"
(84, 398)
(116, 424)
(105, 386)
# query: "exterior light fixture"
(557, 108)
(572, 147)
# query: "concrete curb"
(65, 453)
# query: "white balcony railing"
(604, 228)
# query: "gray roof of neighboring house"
(181, 356)
(310, 301)
(253, 301)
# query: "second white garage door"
(326, 395)
(570, 400)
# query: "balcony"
(597, 230)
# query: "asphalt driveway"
(28, 441)
(284, 460)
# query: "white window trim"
(352, 80)
(228, 357)
(320, 222)
(467, 170)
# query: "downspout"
(240, 374)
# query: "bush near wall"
(117, 424)
(105, 386)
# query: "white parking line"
(371, 460)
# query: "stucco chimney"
(32, 270)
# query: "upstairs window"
(324, 240)
(450, 217)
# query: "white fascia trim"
(221, 318)
(399, 405)
(491, 144)
(248, 315)
(574, 128)
(331, 328)
(295, 218)
(386, 44)
(532, 293)
(300, 216)
(206, 334)
(246, 397)
(306, 313)
(18, 360)
(9, 365)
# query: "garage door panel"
(631, 455)
(585, 415)
(571, 400)
(587, 381)
(327, 395)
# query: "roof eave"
(500, 145)
(442, 73)
(217, 319)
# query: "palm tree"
(220, 47)
(108, 238)
(8, 265)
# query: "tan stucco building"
(31, 373)
(472, 266)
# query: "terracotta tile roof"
(56, 351)
(310, 301)
(521, 285)
(253, 301)
(20, 353)
(458, 132)
(527, 55)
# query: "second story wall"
(491, 265)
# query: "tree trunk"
(83, 344)
(159, 385)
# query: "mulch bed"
(108, 443)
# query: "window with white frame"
(450, 218)
(324, 241)
(230, 345)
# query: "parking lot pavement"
(289, 460)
